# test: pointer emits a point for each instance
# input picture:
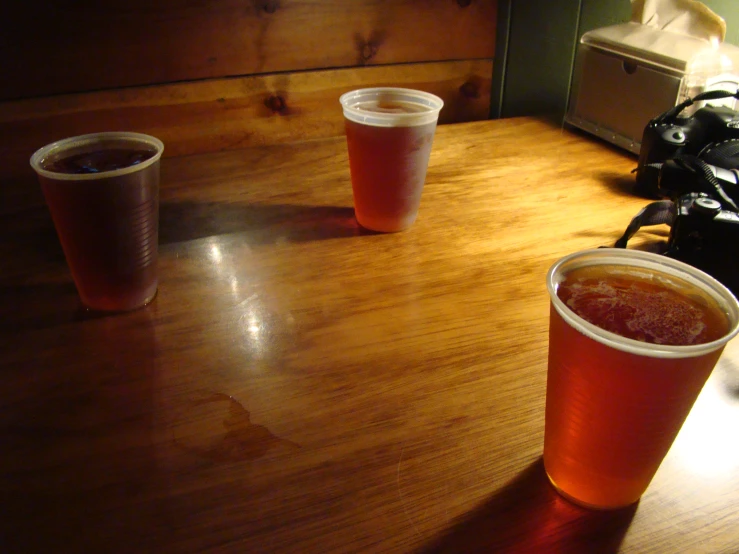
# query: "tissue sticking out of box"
(687, 17)
(678, 35)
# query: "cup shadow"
(42, 306)
(35, 243)
(181, 221)
(36, 247)
(37, 306)
(527, 515)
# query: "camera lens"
(722, 154)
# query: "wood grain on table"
(301, 385)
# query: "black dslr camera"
(711, 135)
(706, 236)
(694, 162)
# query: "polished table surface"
(301, 385)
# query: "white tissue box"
(628, 74)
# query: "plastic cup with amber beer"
(389, 132)
(633, 336)
(102, 191)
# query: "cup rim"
(38, 157)
(617, 256)
(431, 101)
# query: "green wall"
(537, 41)
(729, 10)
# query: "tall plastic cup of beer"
(102, 191)
(633, 336)
(389, 133)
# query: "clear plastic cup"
(389, 133)
(104, 199)
(614, 405)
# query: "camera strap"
(656, 213)
(672, 113)
(705, 177)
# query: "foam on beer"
(391, 107)
(641, 309)
(375, 106)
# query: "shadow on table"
(623, 184)
(649, 239)
(37, 306)
(79, 416)
(42, 306)
(30, 240)
(264, 223)
(527, 515)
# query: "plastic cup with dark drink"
(389, 132)
(103, 193)
(633, 336)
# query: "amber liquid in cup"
(389, 134)
(612, 414)
(388, 168)
(106, 213)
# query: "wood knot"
(276, 103)
(470, 90)
(270, 6)
(369, 51)
(464, 3)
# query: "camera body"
(669, 136)
(694, 161)
(707, 237)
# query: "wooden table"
(300, 385)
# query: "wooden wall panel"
(223, 114)
(53, 47)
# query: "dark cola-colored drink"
(103, 194)
(99, 161)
